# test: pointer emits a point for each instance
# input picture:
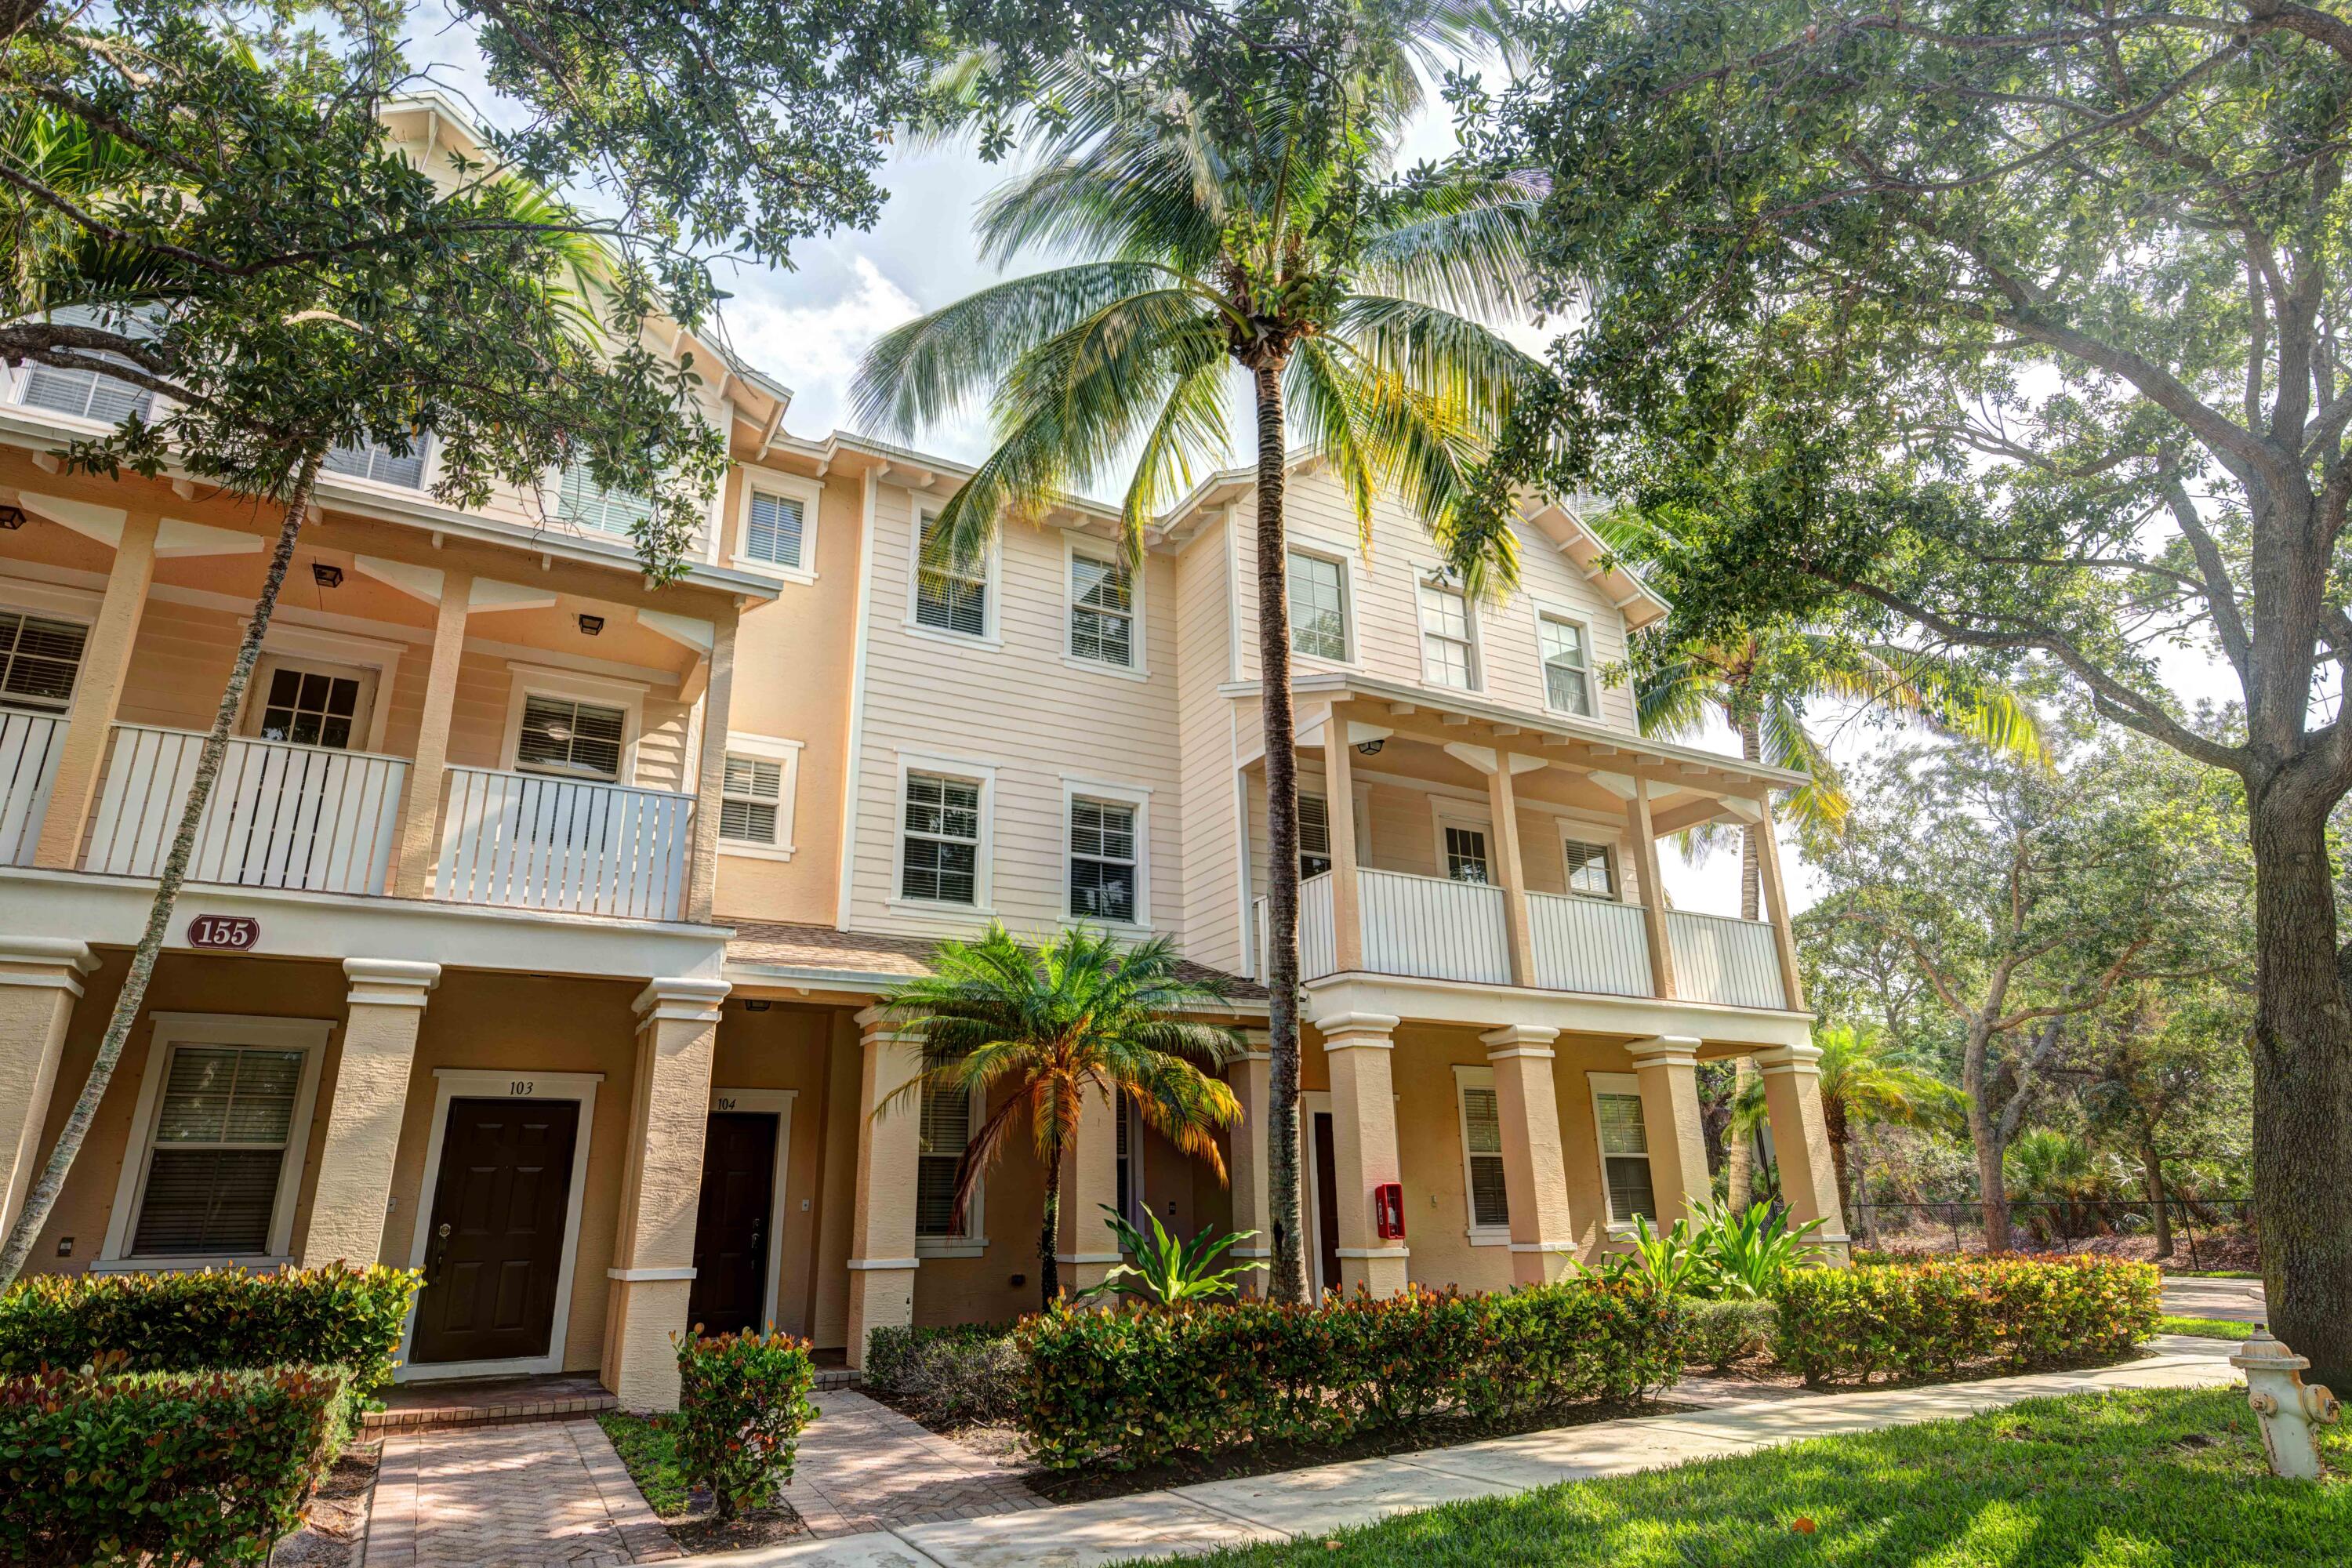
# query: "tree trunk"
(1857, 1215)
(1836, 1129)
(1049, 1235)
(2151, 1165)
(43, 1195)
(1740, 1143)
(2303, 1086)
(1984, 1135)
(1282, 842)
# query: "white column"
(882, 1226)
(40, 981)
(1251, 1077)
(1667, 1068)
(1800, 1141)
(1535, 1167)
(370, 1095)
(1363, 1146)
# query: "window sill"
(185, 1264)
(952, 639)
(933, 907)
(940, 1246)
(756, 851)
(1103, 667)
(1116, 928)
(1480, 1235)
(800, 575)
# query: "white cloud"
(812, 346)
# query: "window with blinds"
(1465, 854)
(1448, 656)
(1482, 1149)
(1102, 861)
(374, 460)
(577, 740)
(952, 597)
(1121, 1112)
(774, 529)
(1591, 868)
(1568, 666)
(1624, 1156)
(946, 1130)
(218, 1150)
(39, 658)
(1314, 836)
(582, 502)
(751, 799)
(87, 393)
(1102, 612)
(939, 848)
(1318, 608)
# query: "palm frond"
(1460, 244)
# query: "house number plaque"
(238, 933)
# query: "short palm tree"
(1038, 1031)
(1863, 1083)
(1275, 251)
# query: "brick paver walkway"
(862, 1465)
(511, 1497)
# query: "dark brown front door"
(730, 1230)
(496, 1230)
(1327, 1204)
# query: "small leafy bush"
(1930, 1320)
(1722, 1334)
(893, 1348)
(960, 1380)
(1166, 1269)
(1136, 1386)
(220, 1319)
(109, 1466)
(742, 1401)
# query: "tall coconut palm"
(1275, 254)
(1077, 1017)
(1863, 1084)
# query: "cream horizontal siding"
(1206, 720)
(1016, 706)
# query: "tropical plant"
(1666, 1260)
(1167, 1270)
(1864, 1083)
(1040, 1033)
(1250, 225)
(2064, 1183)
(1740, 1253)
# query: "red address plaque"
(238, 933)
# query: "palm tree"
(1277, 248)
(1075, 1015)
(1863, 1084)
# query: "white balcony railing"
(280, 816)
(536, 843)
(1434, 929)
(1588, 945)
(1720, 959)
(29, 744)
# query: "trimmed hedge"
(106, 1467)
(335, 1316)
(1135, 1386)
(1721, 1334)
(742, 1401)
(1931, 1319)
(893, 1350)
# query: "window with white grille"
(950, 596)
(1482, 1149)
(1319, 606)
(752, 797)
(582, 502)
(566, 736)
(1625, 1149)
(1103, 861)
(374, 460)
(217, 1150)
(311, 705)
(946, 1132)
(1448, 655)
(1314, 836)
(1465, 854)
(1591, 868)
(940, 849)
(1102, 612)
(1568, 665)
(39, 658)
(775, 531)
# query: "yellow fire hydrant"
(2285, 1406)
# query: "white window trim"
(52, 602)
(371, 697)
(1074, 545)
(1349, 597)
(374, 654)
(428, 470)
(810, 493)
(1547, 611)
(780, 1103)
(473, 1083)
(527, 681)
(1444, 813)
(770, 748)
(1138, 797)
(973, 1242)
(1591, 838)
(983, 892)
(1615, 1083)
(993, 563)
(1465, 1078)
(308, 1035)
(1434, 576)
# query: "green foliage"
(1741, 1256)
(1168, 1271)
(1721, 1334)
(109, 1466)
(648, 1446)
(742, 1401)
(2206, 1328)
(1128, 1388)
(1932, 1318)
(224, 1318)
(893, 1348)
(959, 1375)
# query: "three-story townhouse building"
(535, 928)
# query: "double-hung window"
(751, 799)
(569, 737)
(1465, 854)
(1104, 858)
(582, 502)
(1449, 656)
(39, 658)
(88, 394)
(1568, 665)
(1591, 868)
(217, 1151)
(1102, 612)
(1625, 1148)
(939, 855)
(950, 595)
(945, 1132)
(1319, 606)
(374, 460)
(1314, 836)
(1482, 1151)
(775, 531)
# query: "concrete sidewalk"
(1316, 1502)
(2239, 1301)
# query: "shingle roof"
(783, 944)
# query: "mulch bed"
(699, 1529)
(335, 1524)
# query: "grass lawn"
(2207, 1328)
(645, 1445)
(2153, 1479)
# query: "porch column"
(40, 981)
(98, 689)
(371, 1092)
(1667, 1068)
(1252, 1081)
(1653, 890)
(1800, 1141)
(1535, 1169)
(1775, 904)
(652, 1275)
(1502, 806)
(1084, 1248)
(420, 814)
(710, 778)
(1339, 815)
(1363, 1146)
(882, 1222)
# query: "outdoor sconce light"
(755, 1004)
(12, 517)
(2285, 1406)
(591, 624)
(1369, 748)
(326, 576)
